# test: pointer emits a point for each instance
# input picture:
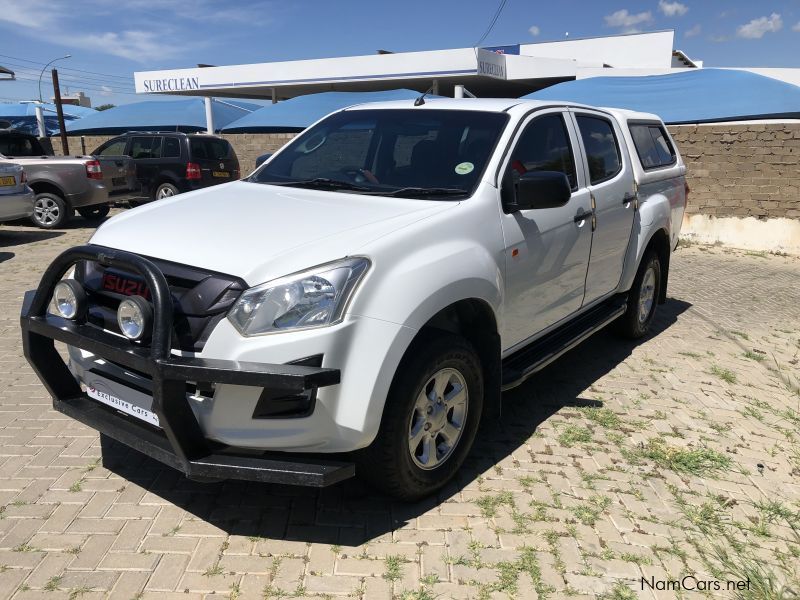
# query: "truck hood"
(259, 232)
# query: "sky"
(110, 39)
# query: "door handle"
(583, 216)
(628, 198)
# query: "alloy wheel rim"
(46, 211)
(438, 419)
(647, 294)
(165, 192)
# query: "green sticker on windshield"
(464, 168)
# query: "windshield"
(395, 152)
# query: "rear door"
(119, 170)
(216, 158)
(611, 186)
(146, 151)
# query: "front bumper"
(179, 442)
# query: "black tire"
(94, 213)
(50, 211)
(165, 190)
(388, 463)
(636, 321)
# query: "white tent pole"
(209, 115)
(40, 120)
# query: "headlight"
(69, 299)
(135, 318)
(313, 298)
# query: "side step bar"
(523, 363)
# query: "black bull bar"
(180, 442)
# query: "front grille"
(200, 298)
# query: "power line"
(492, 22)
(70, 76)
(65, 68)
(85, 86)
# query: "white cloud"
(694, 31)
(796, 26)
(107, 91)
(672, 9)
(622, 18)
(756, 28)
(34, 14)
(534, 30)
(141, 46)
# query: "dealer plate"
(121, 397)
(220, 173)
(5, 181)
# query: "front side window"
(416, 152)
(544, 146)
(112, 148)
(602, 150)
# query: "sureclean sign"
(172, 84)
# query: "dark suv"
(169, 163)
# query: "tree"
(105, 106)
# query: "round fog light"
(135, 318)
(69, 299)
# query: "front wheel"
(50, 210)
(643, 299)
(431, 415)
(94, 213)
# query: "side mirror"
(537, 189)
(263, 158)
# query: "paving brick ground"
(676, 456)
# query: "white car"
(359, 302)
(16, 198)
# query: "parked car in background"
(16, 198)
(64, 184)
(170, 163)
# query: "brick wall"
(733, 170)
(742, 170)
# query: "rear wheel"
(50, 210)
(166, 190)
(431, 415)
(94, 213)
(643, 298)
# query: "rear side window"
(544, 146)
(172, 148)
(602, 150)
(112, 148)
(146, 147)
(210, 149)
(652, 146)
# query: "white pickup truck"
(359, 302)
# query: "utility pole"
(61, 125)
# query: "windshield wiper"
(421, 192)
(322, 183)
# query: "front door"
(546, 249)
(610, 178)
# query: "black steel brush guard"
(180, 443)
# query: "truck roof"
(497, 105)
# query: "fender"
(653, 214)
